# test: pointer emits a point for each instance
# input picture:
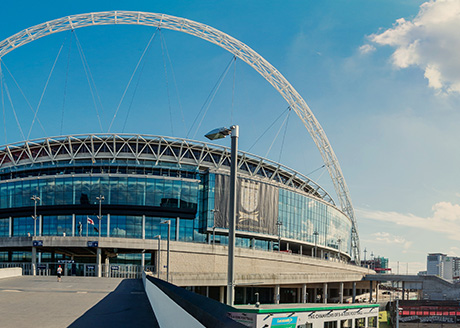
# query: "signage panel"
(286, 322)
(93, 244)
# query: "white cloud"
(387, 238)
(445, 219)
(366, 48)
(430, 41)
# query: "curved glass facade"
(117, 190)
(138, 195)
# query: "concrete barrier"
(10, 272)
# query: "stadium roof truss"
(139, 148)
(237, 48)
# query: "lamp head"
(218, 133)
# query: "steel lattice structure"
(114, 147)
(237, 48)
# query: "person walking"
(59, 274)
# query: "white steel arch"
(237, 48)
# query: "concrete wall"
(206, 265)
(10, 272)
(198, 264)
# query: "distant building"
(443, 266)
(435, 264)
(379, 264)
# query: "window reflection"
(165, 192)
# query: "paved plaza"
(41, 301)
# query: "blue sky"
(382, 78)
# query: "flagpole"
(86, 226)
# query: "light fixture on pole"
(215, 134)
(279, 224)
(100, 199)
(214, 211)
(35, 199)
(365, 252)
(316, 242)
(168, 222)
(158, 255)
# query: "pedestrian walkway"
(29, 301)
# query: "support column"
(177, 228)
(277, 294)
(34, 260)
(370, 292)
(377, 292)
(108, 225)
(304, 293)
(107, 267)
(244, 295)
(300, 251)
(73, 225)
(322, 254)
(315, 295)
(403, 289)
(143, 259)
(222, 294)
(354, 292)
(325, 293)
(143, 226)
(341, 292)
(299, 295)
(40, 220)
(99, 265)
(10, 228)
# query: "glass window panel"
(4, 227)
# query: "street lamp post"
(279, 224)
(35, 199)
(168, 222)
(316, 242)
(214, 211)
(100, 199)
(158, 256)
(219, 134)
(338, 242)
(365, 264)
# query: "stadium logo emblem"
(249, 201)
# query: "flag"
(96, 229)
(90, 221)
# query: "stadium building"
(52, 191)
(114, 205)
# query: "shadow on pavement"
(126, 306)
